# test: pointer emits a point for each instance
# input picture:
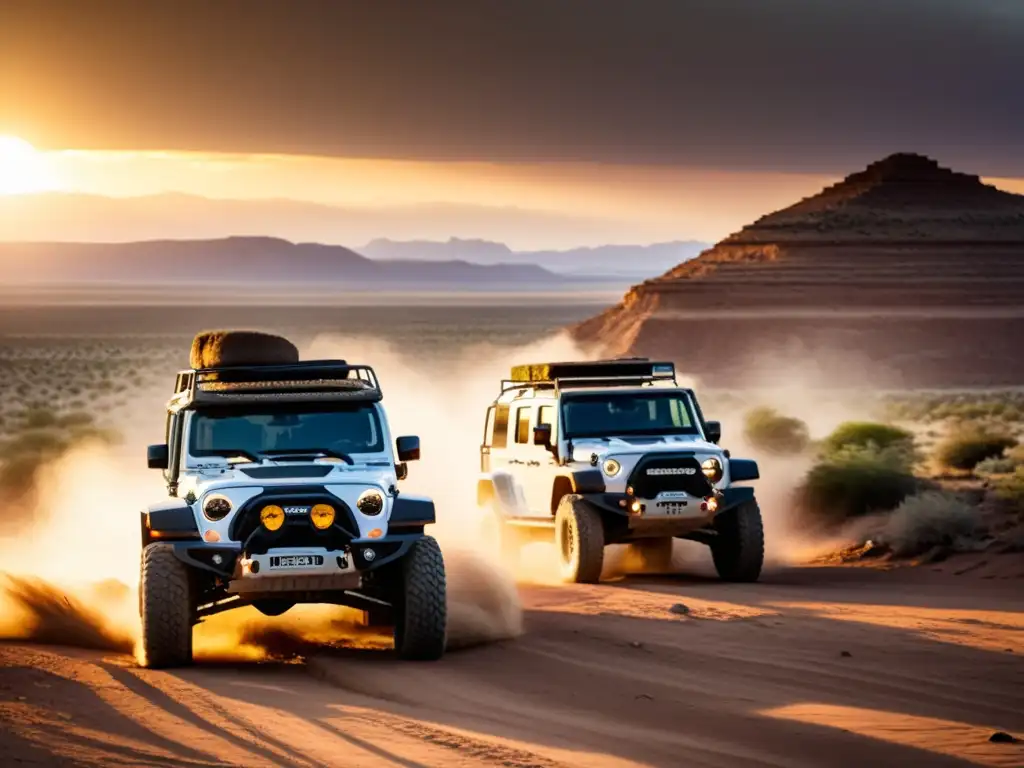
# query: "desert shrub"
(25, 452)
(930, 519)
(867, 434)
(1001, 465)
(767, 429)
(854, 482)
(1010, 489)
(76, 419)
(964, 448)
(39, 417)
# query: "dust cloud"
(71, 579)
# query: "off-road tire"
(653, 555)
(215, 349)
(167, 609)
(579, 539)
(421, 612)
(738, 548)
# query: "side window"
(523, 417)
(500, 437)
(547, 416)
(489, 426)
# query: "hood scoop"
(301, 470)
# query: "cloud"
(801, 85)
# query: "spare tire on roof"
(220, 349)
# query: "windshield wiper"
(298, 454)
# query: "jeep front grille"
(657, 473)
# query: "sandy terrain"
(813, 666)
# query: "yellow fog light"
(322, 516)
(272, 517)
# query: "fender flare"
(169, 521)
(411, 513)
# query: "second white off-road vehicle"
(283, 486)
(614, 452)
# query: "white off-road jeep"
(613, 452)
(284, 491)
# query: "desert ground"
(845, 666)
(824, 662)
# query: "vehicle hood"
(205, 478)
(584, 448)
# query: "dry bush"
(931, 519)
(855, 482)
(770, 431)
(1010, 490)
(869, 434)
(966, 447)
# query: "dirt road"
(812, 667)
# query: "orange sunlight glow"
(23, 169)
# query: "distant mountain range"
(249, 260)
(84, 218)
(627, 261)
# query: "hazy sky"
(694, 110)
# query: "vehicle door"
(534, 461)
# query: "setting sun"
(23, 169)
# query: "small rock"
(1002, 737)
(636, 644)
(679, 608)
(845, 654)
(644, 696)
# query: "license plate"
(674, 509)
(296, 561)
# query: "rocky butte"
(906, 274)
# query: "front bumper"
(280, 571)
(225, 560)
(672, 509)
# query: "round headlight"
(712, 469)
(611, 467)
(322, 516)
(272, 517)
(370, 502)
(216, 507)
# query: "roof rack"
(622, 372)
(311, 380)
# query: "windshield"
(632, 413)
(353, 429)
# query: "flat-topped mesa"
(917, 263)
(903, 197)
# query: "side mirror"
(713, 430)
(158, 456)
(408, 448)
(542, 435)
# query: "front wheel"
(579, 538)
(421, 618)
(167, 609)
(738, 547)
